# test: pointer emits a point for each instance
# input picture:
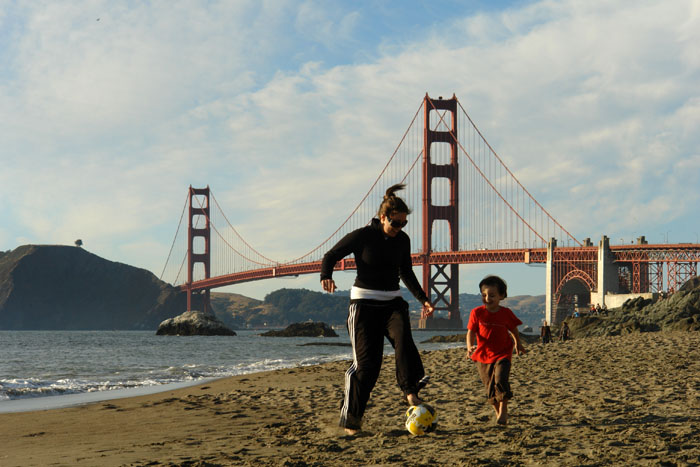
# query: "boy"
(490, 335)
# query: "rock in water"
(304, 330)
(193, 323)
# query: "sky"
(288, 110)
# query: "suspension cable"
(368, 192)
(512, 175)
(495, 190)
(177, 231)
(213, 226)
(239, 235)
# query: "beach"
(623, 400)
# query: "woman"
(382, 255)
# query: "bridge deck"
(688, 252)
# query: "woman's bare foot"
(413, 399)
(351, 432)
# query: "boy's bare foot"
(503, 414)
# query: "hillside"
(280, 308)
(66, 287)
(57, 287)
(285, 306)
(529, 308)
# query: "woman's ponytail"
(393, 203)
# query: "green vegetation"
(279, 308)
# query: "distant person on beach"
(383, 255)
(565, 332)
(546, 333)
(491, 333)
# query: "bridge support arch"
(570, 279)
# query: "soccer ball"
(421, 419)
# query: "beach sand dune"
(625, 400)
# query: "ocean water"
(45, 364)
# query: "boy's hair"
(495, 281)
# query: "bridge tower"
(440, 281)
(193, 258)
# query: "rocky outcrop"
(678, 312)
(304, 330)
(56, 287)
(528, 338)
(447, 338)
(193, 323)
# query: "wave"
(40, 364)
(11, 389)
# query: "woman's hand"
(428, 308)
(328, 285)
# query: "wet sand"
(627, 400)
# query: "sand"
(626, 400)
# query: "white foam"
(33, 404)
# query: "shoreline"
(96, 377)
(623, 400)
(60, 401)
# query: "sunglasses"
(397, 224)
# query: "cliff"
(65, 287)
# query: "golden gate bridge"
(470, 208)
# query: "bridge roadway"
(660, 253)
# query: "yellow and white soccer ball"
(421, 419)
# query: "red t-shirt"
(493, 340)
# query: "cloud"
(289, 110)
(561, 94)
(564, 123)
(316, 22)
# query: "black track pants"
(369, 321)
